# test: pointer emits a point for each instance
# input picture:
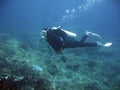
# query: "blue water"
(101, 16)
(26, 18)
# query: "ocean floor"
(23, 67)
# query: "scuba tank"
(69, 34)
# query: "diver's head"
(55, 28)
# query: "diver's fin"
(93, 34)
(108, 44)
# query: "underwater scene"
(29, 61)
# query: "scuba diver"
(60, 39)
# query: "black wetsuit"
(59, 40)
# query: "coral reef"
(39, 68)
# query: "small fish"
(36, 68)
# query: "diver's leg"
(89, 44)
(81, 43)
(87, 34)
(84, 38)
(71, 44)
(75, 44)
